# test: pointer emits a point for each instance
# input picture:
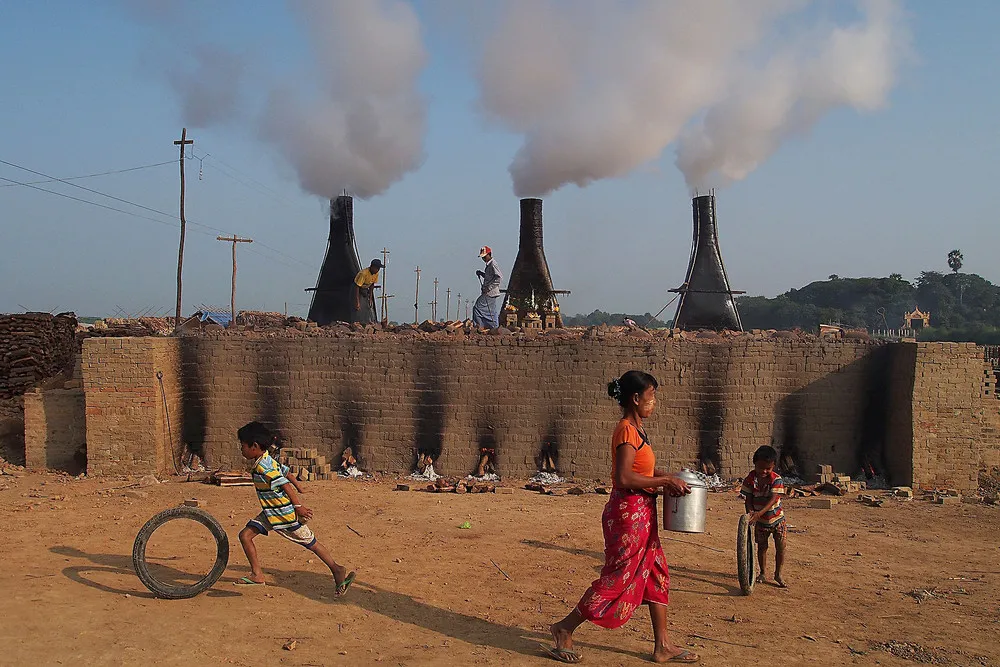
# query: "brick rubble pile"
(34, 347)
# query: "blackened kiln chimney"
(706, 300)
(333, 296)
(530, 276)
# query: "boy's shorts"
(779, 530)
(301, 535)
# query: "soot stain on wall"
(787, 436)
(194, 420)
(551, 441)
(711, 414)
(430, 404)
(272, 381)
(351, 429)
(875, 414)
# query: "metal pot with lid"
(686, 514)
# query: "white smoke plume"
(353, 121)
(600, 88)
(210, 89)
(365, 128)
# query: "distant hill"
(963, 306)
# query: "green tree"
(955, 260)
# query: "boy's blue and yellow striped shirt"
(268, 480)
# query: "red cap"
(485, 250)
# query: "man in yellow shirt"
(364, 283)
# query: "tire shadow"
(122, 565)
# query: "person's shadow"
(320, 588)
(405, 609)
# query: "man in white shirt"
(486, 313)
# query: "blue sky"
(85, 91)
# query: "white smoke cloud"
(365, 129)
(209, 89)
(358, 124)
(852, 66)
(599, 89)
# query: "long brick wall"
(919, 411)
(390, 395)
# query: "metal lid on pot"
(693, 479)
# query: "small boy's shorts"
(301, 535)
(779, 531)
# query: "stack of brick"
(306, 464)
(118, 327)
(33, 348)
(837, 482)
(256, 319)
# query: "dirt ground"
(429, 593)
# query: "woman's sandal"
(563, 654)
(686, 657)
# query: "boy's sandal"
(247, 581)
(342, 588)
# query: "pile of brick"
(232, 478)
(444, 485)
(566, 489)
(305, 464)
(119, 327)
(257, 319)
(837, 483)
(34, 347)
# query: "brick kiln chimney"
(333, 296)
(706, 300)
(530, 275)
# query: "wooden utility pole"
(434, 303)
(234, 239)
(184, 141)
(384, 313)
(416, 300)
(458, 307)
(447, 307)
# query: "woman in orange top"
(635, 569)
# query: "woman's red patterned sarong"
(635, 569)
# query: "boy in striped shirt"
(762, 491)
(281, 509)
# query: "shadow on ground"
(320, 588)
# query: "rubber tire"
(169, 591)
(746, 562)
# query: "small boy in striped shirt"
(762, 491)
(281, 509)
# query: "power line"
(96, 192)
(130, 203)
(269, 191)
(85, 201)
(102, 173)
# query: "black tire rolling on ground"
(170, 591)
(746, 563)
